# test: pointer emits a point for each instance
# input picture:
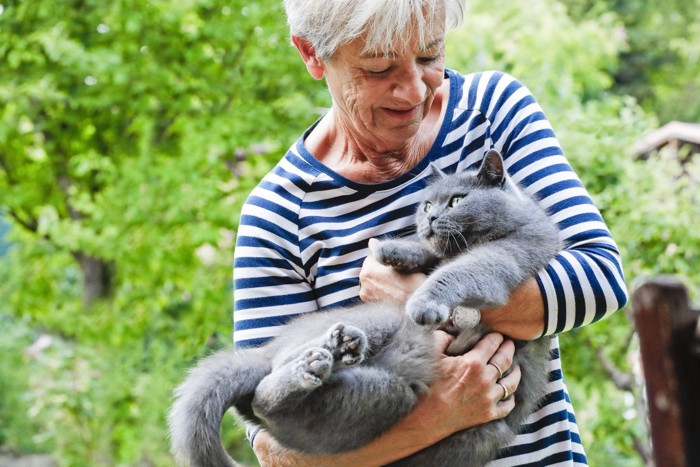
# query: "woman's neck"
(344, 151)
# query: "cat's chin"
(430, 244)
(445, 249)
(438, 251)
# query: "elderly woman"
(354, 175)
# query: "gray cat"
(334, 380)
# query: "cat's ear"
(436, 173)
(492, 171)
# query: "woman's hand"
(379, 282)
(468, 391)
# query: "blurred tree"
(130, 134)
(122, 121)
(661, 64)
(563, 61)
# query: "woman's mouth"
(404, 114)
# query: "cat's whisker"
(464, 244)
(458, 244)
(407, 233)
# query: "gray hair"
(328, 24)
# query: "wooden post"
(667, 328)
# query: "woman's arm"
(584, 282)
(464, 395)
(521, 318)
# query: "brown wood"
(667, 327)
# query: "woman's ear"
(313, 62)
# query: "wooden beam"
(667, 328)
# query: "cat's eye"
(428, 206)
(455, 200)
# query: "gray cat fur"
(334, 380)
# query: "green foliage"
(124, 131)
(661, 65)
(131, 132)
(89, 404)
(19, 427)
(658, 229)
(529, 42)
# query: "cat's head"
(462, 210)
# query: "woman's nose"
(410, 86)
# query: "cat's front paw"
(425, 310)
(400, 255)
(348, 344)
(314, 367)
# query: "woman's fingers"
(497, 354)
(506, 386)
(442, 340)
(488, 347)
(502, 393)
(502, 359)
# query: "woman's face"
(381, 99)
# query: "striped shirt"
(304, 231)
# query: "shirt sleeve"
(270, 283)
(584, 282)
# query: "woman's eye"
(428, 207)
(455, 200)
(377, 66)
(377, 72)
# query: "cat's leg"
(404, 254)
(341, 346)
(479, 279)
(429, 304)
(292, 382)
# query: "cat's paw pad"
(314, 367)
(426, 311)
(400, 256)
(347, 344)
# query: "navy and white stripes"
(304, 230)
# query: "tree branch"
(31, 225)
(623, 380)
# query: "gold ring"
(500, 372)
(505, 391)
